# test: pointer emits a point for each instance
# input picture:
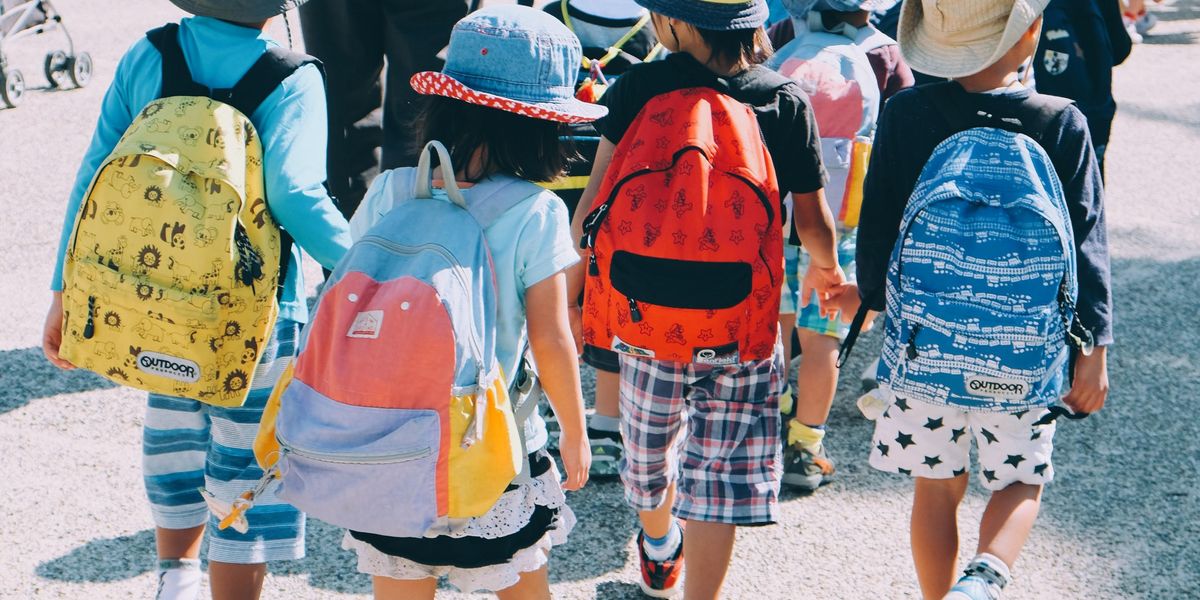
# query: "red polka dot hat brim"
(433, 83)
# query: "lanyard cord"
(615, 49)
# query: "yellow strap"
(577, 182)
(615, 49)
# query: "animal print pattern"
(170, 279)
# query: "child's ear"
(1035, 29)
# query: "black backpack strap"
(953, 104)
(176, 76)
(266, 74)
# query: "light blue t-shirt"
(529, 242)
(291, 123)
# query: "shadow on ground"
(26, 375)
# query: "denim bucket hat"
(516, 59)
(713, 15)
(238, 11)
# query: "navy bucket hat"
(713, 15)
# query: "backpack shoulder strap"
(176, 75)
(489, 199)
(266, 74)
(952, 103)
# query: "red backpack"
(686, 237)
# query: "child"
(806, 463)
(724, 476)
(883, 52)
(189, 445)
(499, 106)
(601, 25)
(932, 441)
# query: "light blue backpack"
(399, 419)
(982, 281)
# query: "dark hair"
(749, 45)
(521, 146)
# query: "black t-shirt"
(909, 130)
(782, 108)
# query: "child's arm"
(294, 132)
(814, 225)
(116, 114)
(575, 274)
(558, 369)
(879, 221)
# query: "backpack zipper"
(911, 345)
(635, 313)
(353, 459)
(89, 329)
(389, 245)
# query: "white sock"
(991, 568)
(664, 548)
(604, 423)
(178, 579)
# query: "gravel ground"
(1121, 521)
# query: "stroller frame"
(29, 19)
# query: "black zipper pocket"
(680, 283)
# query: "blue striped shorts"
(187, 445)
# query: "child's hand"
(576, 453)
(828, 283)
(1089, 389)
(52, 334)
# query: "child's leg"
(534, 585)
(934, 532)
(651, 395)
(387, 588)
(818, 377)
(709, 548)
(175, 436)
(931, 443)
(1008, 519)
(236, 560)
(731, 465)
(604, 426)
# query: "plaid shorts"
(713, 430)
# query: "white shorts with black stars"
(919, 439)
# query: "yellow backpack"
(171, 276)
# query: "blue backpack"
(982, 281)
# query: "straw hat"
(956, 38)
(239, 11)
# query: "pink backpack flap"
(835, 73)
(390, 425)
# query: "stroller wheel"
(12, 87)
(81, 69)
(56, 68)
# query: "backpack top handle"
(424, 187)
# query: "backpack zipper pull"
(911, 350)
(89, 329)
(475, 426)
(635, 313)
(593, 268)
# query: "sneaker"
(606, 453)
(660, 579)
(973, 587)
(1145, 23)
(1131, 29)
(804, 470)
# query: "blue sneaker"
(983, 579)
